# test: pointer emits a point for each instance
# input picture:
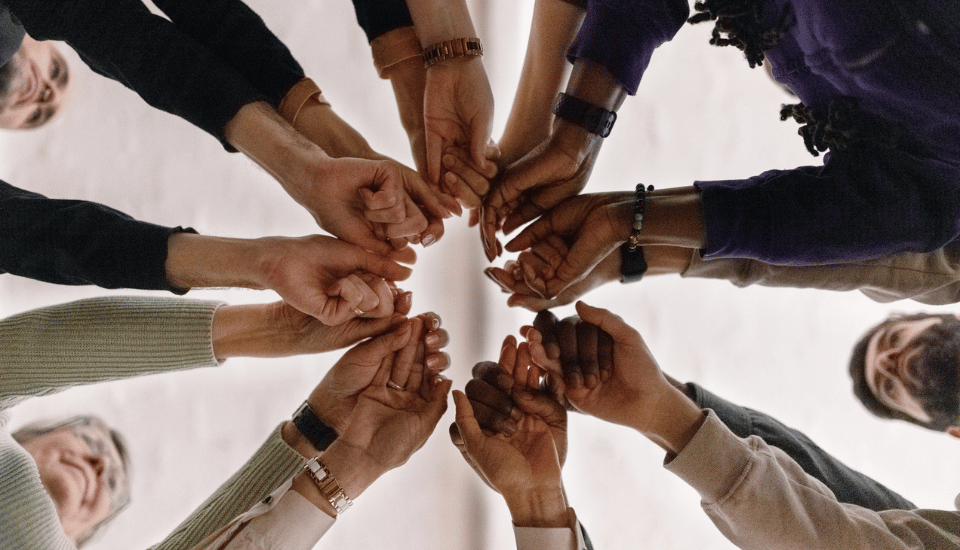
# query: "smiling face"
(891, 369)
(909, 368)
(81, 469)
(39, 87)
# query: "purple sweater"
(900, 64)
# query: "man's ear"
(954, 431)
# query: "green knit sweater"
(51, 349)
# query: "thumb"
(385, 344)
(612, 324)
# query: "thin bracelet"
(638, 210)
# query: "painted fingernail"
(493, 276)
(433, 363)
(428, 240)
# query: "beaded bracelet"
(638, 209)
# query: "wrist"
(540, 507)
(201, 261)
(575, 141)
(250, 330)
(676, 420)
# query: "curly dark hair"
(739, 24)
(841, 126)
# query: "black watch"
(317, 433)
(588, 116)
(632, 264)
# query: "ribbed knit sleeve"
(28, 518)
(274, 463)
(47, 350)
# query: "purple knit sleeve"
(861, 205)
(620, 35)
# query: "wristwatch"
(317, 433)
(588, 116)
(448, 49)
(329, 486)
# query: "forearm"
(439, 20)
(545, 70)
(538, 507)
(672, 217)
(102, 339)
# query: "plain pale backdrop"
(701, 114)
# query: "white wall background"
(700, 114)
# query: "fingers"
(508, 355)
(434, 148)
(384, 345)
(384, 205)
(433, 232)
(435, 339)
(405, 374)
(605, 355)
(402, 301)
(569, 357)
(466, 179)
(587, 354)
(385, 297)
(488, 232)
(405, 255)
(546, 325)
(612, 324)
(349, 295)
(492, 407)
(467, 424)
(524, 213)
(379, 265)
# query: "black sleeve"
(71, 242)
(122, 40)
(238, 36)
(849, 486)
(378, 17)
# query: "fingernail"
(448, 160)
(428, 240)
(576, 381)
(406, 299)
(592, 381)
(605, 375)
(492, 275)
(432, 340)
(515, 414)
(433, 363)
(434, 322)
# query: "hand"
(344, 194)
(335, 398)
(524, 278)
(501, 393)
(398, 411)
(328, 278)
(421, 197)
(591, 227)
(465, 178)
(556, 169)
(458, 110)
(524, 464)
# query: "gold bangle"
(448, 49)
(329, 486)
(394, 47)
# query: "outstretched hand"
(329, 279)
(570, 240)
(458, 111)
(414, 346)
(522, 460)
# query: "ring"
(393, 385)
(358, 311)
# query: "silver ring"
(358, 311)
(393, 385)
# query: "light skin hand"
(335, 398)
(458, 111)
(321, 276)
(280, 330)
(464, 178)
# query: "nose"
(98, 464)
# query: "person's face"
(83, 473)
(888, 367)
(40, 87)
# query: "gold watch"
(448, 49)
